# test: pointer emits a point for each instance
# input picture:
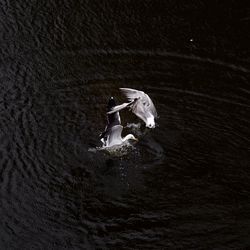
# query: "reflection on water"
(184, 185)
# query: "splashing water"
(116, 150)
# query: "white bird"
(140, 104)
(113, 132)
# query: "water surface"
(186, 183)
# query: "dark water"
(187, 183)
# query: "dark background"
(186, 183)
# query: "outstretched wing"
(138, 110)
(112, 119)
(143, 99)
(120, 107)
(114, 135)
(132, 94)
(150, 105)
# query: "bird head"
(131, 137)
(150, 122)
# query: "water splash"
(116, 150)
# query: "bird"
(140, 104)
(112, 134)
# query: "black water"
(186, 185)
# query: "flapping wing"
(145, 100)
(114, 136)
(119, 107)
(138, 110)
(132, 94)
(150, 105)
(112, 120)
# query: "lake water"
(185, 184)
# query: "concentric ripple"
(184, 185)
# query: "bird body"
(112, 134)
(140, 104)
